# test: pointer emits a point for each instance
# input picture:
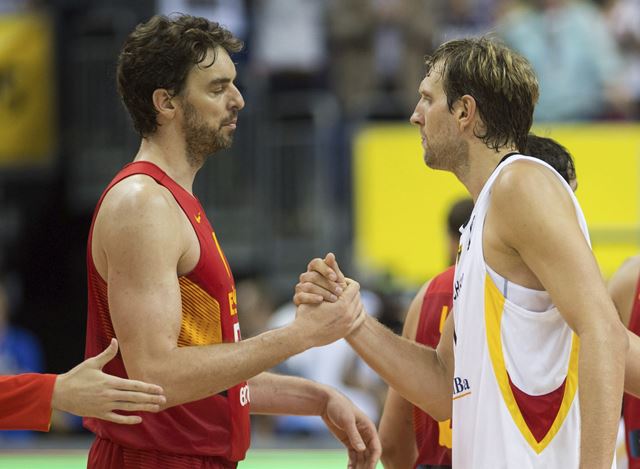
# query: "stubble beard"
(447, 155)
(201, 139)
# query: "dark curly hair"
(551, 152)
(501, 81)
(159, 54)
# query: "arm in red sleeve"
(25, 401)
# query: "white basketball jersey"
(515, 396)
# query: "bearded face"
(202, 138)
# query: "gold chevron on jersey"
(526, 409)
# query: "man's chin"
(434, 163)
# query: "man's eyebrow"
(219, 81)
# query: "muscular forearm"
(276, 394)
(191, 373)
(601, 376)
(406, 366)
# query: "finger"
(105, 357)
(135, 406)
(304, 298)
(353, 459)
(374, 447)
(355, 440)
(361, 460)
(320, 266)
(351, 291)
(330, 260)
(315, 289)
(137, 397)
(317, 279)
(132, 385)
(122, 419)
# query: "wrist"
(298, 337)
(323, 397)
(359, 330)
(58, 393)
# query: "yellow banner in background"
(26, 90)
(401, 205)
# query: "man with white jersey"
(534, 347)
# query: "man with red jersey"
(409, 436)
(624, 288)
(26, 400)
(158, 279)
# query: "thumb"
(354, 436)
(106, 356)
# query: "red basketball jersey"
(433, 438)
(217, 425)
(631, 405)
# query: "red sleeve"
(25, 401)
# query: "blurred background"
(324, 159)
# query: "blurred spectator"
(624, 20)
(335, 364)
(377, 50)
(463, 18)
(289, 43)
(20, 352)
(573, 53)
(15, 6)
(229, 13)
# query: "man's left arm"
(287, 395)
(536, 217)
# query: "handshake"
(329, 306)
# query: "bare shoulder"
(139, 199)
(526, 181)
(622, 286)
(137, 217)
(527, 196)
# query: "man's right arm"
(405, 365)
(140, 240)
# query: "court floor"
(256, 459)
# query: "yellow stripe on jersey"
(200, 316)
(493, 310)
(445, 435)
(224, 259)
(443, 317)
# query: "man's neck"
(482, 162)
(170, 156)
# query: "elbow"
(439, 411)
(611, 337)
(395, 452)
(389, 453)
(148, 373)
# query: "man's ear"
(164, 105)
(465, 110)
